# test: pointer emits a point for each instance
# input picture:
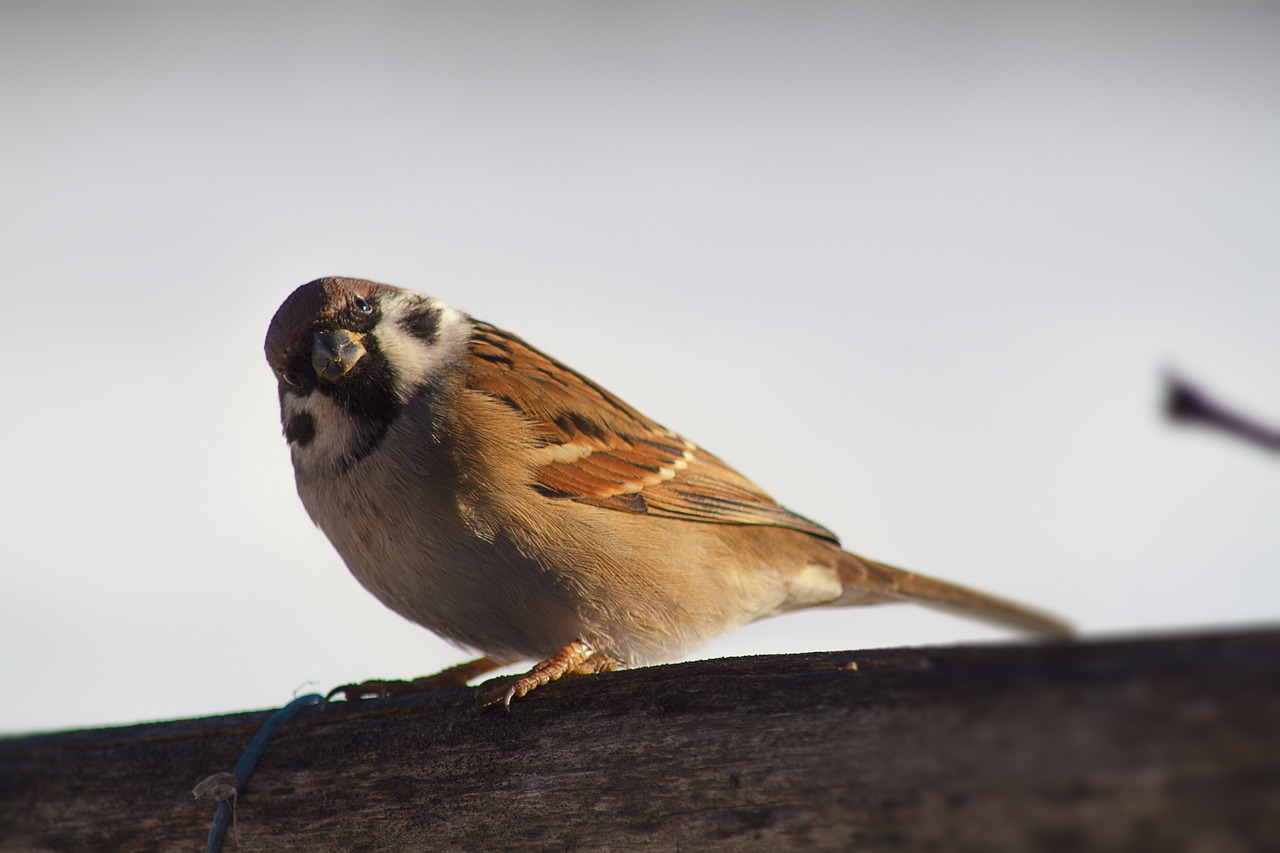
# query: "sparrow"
(492, 494)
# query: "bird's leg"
(577, 658)
(454, 676)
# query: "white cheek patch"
(415, 361)
(333, 440)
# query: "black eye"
(290, 378)
(364, 306)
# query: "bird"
(495, 496)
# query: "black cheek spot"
(423, 323)
(300, 429)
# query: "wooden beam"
(1140, 744)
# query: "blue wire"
(244, 767)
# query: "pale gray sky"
(914, 268)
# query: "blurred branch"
(1186, 403)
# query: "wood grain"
(1140, 744)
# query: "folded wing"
(597, 450)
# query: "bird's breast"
(405, 538)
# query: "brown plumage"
(505, 501)
(600, 451)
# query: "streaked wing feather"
(600, 451)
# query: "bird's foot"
(577, 658)
(454, 676)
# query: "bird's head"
(348, 355)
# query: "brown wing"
(600, 451)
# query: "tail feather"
(869, 582)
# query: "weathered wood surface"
(1162, 744)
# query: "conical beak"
(334, 353)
